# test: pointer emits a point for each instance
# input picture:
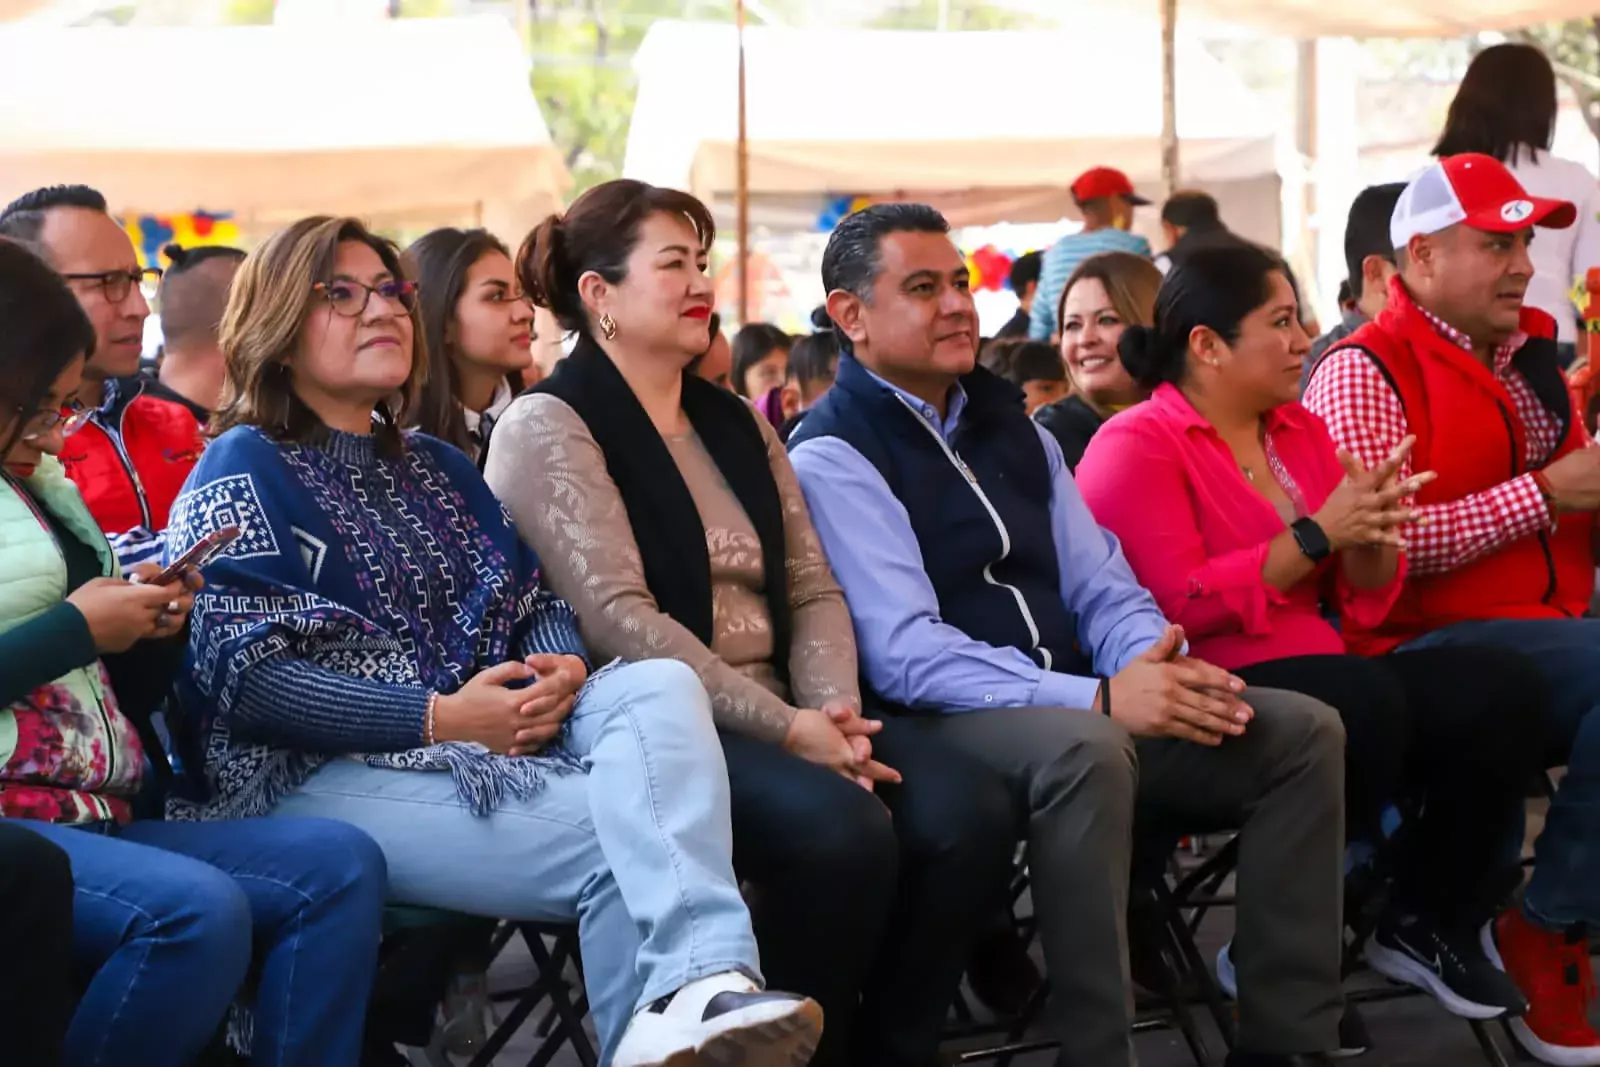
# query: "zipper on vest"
(999, 525)
(127, 465)
(1544, 537)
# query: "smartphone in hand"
(203, 551)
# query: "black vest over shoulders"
(980, 507)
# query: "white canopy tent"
(952, 118)
(1305, 19)
(419, 122)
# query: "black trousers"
(36, 995)
(869, 902)
(1460, 730)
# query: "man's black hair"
(852, 260)
(23, 218)
(1025, 271)
(1366, 232)
(181, 259)
(192, 304)
(1192, 210)
(814, 358)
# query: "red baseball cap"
(1097, 183)
(1475, 190)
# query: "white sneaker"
(723, 1021)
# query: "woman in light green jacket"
(164, 914)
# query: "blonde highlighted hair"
(269, 304)
(1130, 281)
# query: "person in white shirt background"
(1506, 108)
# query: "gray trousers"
(1082, 781)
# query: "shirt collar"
(956, 405)
(498, 403)
(1502, 354)
(1169, 400)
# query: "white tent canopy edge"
(396, 131)
(935, 117)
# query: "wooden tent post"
(743, 190)
(1169, 96)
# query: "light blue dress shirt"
(909, 655)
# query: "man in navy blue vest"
(992, 610)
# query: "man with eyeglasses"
(135, 445)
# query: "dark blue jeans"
(165, 916)
(1565, 888)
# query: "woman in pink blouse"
(1237, 512)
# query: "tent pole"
(743, 190)
(1306, 138)
(1169, 96)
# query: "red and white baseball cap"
(1476, 190)
(1097, 183)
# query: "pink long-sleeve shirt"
(1196, 532)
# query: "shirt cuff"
(1235, 579)
(1523, 509)
(1057, 690)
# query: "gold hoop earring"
(608, 326)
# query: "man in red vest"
(1502, 553)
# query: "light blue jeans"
(637, 851)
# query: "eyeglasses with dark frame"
(69, 416)
(350, 298)
(117, 284)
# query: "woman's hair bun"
(1137, 348)
(820, 319)
(175, 253)
(542, 269)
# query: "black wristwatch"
(1312, 541)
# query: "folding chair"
(412, 980)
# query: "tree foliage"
(961, 15)
(248, 13)
(582, 73)
(582, 50)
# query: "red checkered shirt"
(1365, 417)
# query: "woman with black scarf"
(665, 511)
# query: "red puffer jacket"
(132, 456)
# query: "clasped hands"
(1367, 509)
(512, 721)
(839, 737)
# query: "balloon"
(837, 207)
(151, 233)
(990, 267)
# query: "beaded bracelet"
(427, 722)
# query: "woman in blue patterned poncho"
(377, 647)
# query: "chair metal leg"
(531, 999)
(1182, 969)
(571, 1030)
(1181, 938)
(1491, 1048)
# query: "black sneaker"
(1453, 969)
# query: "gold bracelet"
(427, 722)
